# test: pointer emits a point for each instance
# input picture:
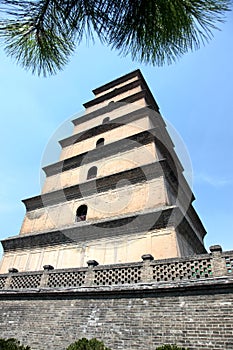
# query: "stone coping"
(213, 286)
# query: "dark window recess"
(81, 213)
(105, 120)
(100, 142)
(92, 172)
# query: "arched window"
(100, 142)
(92, 172)
(81, 213)
(111, 102)
(105, 120)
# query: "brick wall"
(192, 310)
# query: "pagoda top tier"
(119, 82)
(127, 88)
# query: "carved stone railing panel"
(2, 281)
(118, 275)
(229, 264)
(214, 265)
(66, 279)
(25, 281)
(180, 270)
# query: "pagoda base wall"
(161, 243)
(197, 317)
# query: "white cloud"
(212, 180)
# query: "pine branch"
(42, 34)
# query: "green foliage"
(85, 344)
(170, 347)
(42, 34)
(12, 344)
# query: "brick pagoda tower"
(117, 192)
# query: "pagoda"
(116, 193)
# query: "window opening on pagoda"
(81, 213)
(92, 172)
(105, 120)
(111, 102)
(100, 142)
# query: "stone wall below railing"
(187, 301)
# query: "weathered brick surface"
(130, 306)
(196, 315)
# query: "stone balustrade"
(193, 268)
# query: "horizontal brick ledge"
(93, 230)
(102, 184)
(113, 93)
(104, 151)
(124, 225)
(110, 125)
(136, 73)
(113, 106)
(211, 286)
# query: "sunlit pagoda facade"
(117, 192)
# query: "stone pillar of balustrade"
(218, 261)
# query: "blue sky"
(195, 95)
